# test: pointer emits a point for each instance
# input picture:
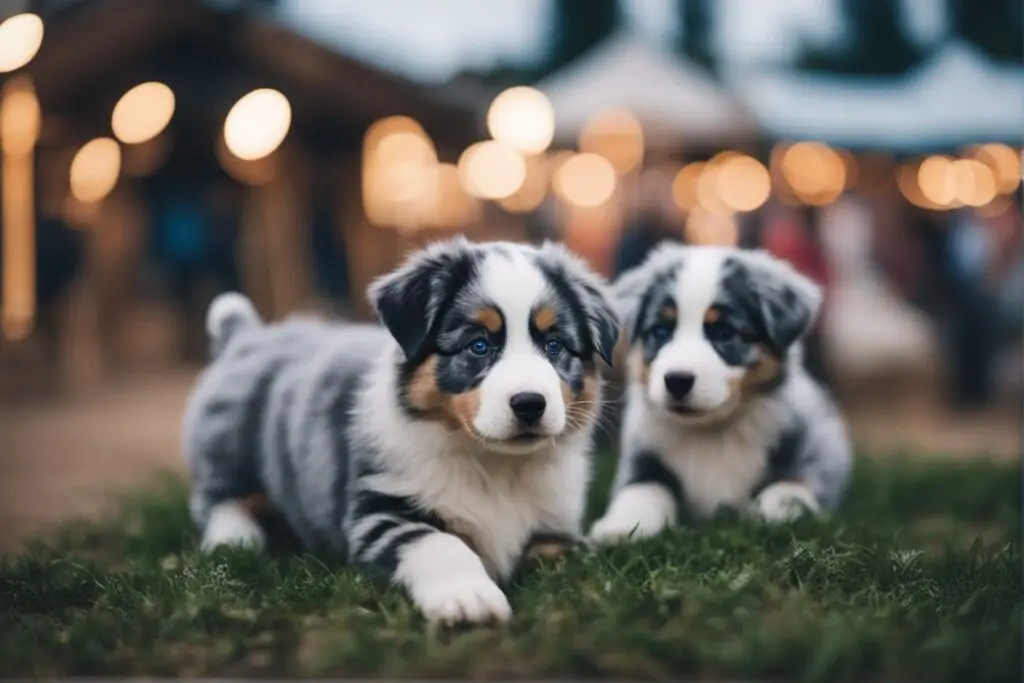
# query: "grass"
(917, 579)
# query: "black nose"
(679, 384)
(528, 406)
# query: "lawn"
(918, 578)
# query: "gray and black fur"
(719, 407)
(410, 448)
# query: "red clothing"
(788, 240)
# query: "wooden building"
(295, 219)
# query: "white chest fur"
(717, 467)
(493, 501)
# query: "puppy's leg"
(649, 501)
(234, 523)
(638, 511)
(785, 501)
(448, 582)
(444, 577)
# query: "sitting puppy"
(436, 451)
(719, 410)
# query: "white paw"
(609, 530)
(472, 599)
(231, 525)
(785, 502)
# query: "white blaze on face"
(697, 283)
(516, 287)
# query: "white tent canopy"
(957, 97)
(676, 103)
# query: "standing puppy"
(720, 411)
(436, 451)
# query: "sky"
(430, 41)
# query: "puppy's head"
(710, 327)
(500, 340)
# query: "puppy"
(436, 450)
(719, 410)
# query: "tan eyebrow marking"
(545, 318)
(712, 316)
(490, 318)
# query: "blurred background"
(157, 152)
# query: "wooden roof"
(96, 49)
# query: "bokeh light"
(94, 170)
(400, 174)
(974, 182)
(406, 163)
(20, 39)
(814, 172)
(910, 188)
(585, 180)
(616, 135)
(743, 183)
(522, 117)
(492, 169)
(20, 117)
(142, 113)
(531, 193)
(684, 186)
(257, 124)
(1005, 164)
(936, 179)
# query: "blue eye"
(479, 346)
(661, 332)
(554, 347)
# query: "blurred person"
(871, 332)
(972, 325)
(1006, 272)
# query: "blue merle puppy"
(436, 450)
(719, 409)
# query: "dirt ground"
(65, 458)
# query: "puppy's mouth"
(521, 443)
(527, 437)
(684, 410)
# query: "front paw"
(609, 530)
(786, 501)
(460, 599)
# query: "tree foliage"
(577, 26)
(695, 39)
(877, 42)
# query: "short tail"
(229, 313)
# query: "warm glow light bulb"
(585, 180)
(257, 124)
(142, 113)
(95, 169)
(522, 117)
(20, 39)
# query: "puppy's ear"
(628, 291)
(590, 289)
(631, 285)
(785, 302)
(409, 300)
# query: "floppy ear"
(628, 290)
(408, 300)
(590, 289)
(785, 301)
